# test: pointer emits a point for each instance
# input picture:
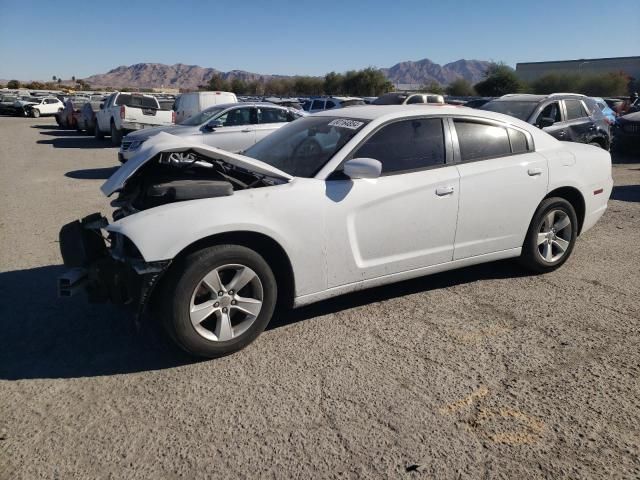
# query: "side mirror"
(545, 122)
(362, 168)
(212, 125)
(102, 106)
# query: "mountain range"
(158, 75)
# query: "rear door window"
(406, 145)
(272, 115)
(317, 105)
(329, 105)
(480, 140)
(415, 99)
(575, 109)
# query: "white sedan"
(331, 203)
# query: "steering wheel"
(309, 147)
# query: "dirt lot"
(485, 372)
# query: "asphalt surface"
(486, 372)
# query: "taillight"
(122, 112)
(173, 116)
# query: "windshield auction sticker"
(344, 123)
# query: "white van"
(190, 104)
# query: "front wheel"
(218, 300)
(35, 113)
(551, 237)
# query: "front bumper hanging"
(97, 269)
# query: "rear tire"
(116, 135)
(226, 326)
(551, 236)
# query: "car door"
(403, 220)
(233, 131)
(270, 119)
(502, 181)
(579, 124)
(552, 113)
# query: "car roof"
(371, 112)
(244, 104)
(530, 97)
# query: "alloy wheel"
(554, 236)
(226, 302)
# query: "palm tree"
(54, 78)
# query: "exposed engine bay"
(181, 176)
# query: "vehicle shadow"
(42, 336)
(48, 127)
(626, 193)
(92, 173)
(494, 270)
(76, 142)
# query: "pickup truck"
(125, 112)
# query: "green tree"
(333, 83)
(367, 82)
(432, 87)
(238, 86)
(500, 79)
(460, 88)
(218, 83)
(13, 84)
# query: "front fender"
(289, 214)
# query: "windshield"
(302, 147)
(521, 110)
(136, 101)
(390, 99)
(202, 117)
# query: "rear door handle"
(534, 171)
(247, 130)
(442, 191)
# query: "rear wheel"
(551, 236)
(218, 300)
(97, 133)
(116, 135)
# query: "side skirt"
(398, 277)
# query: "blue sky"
(39, 39)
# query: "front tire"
(35, 113)
(216, 301)
(551, 236)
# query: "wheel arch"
(274, 254)
(575, 198)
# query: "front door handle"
(534, 171)
(246, 130)
(442, 191)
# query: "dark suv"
(566, 116)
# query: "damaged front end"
(107, 267)
(106, 264)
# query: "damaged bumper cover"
(107, 269)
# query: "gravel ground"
(486, 372)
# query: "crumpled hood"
(164, 142)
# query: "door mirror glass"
(545, 122)
(362, 168)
